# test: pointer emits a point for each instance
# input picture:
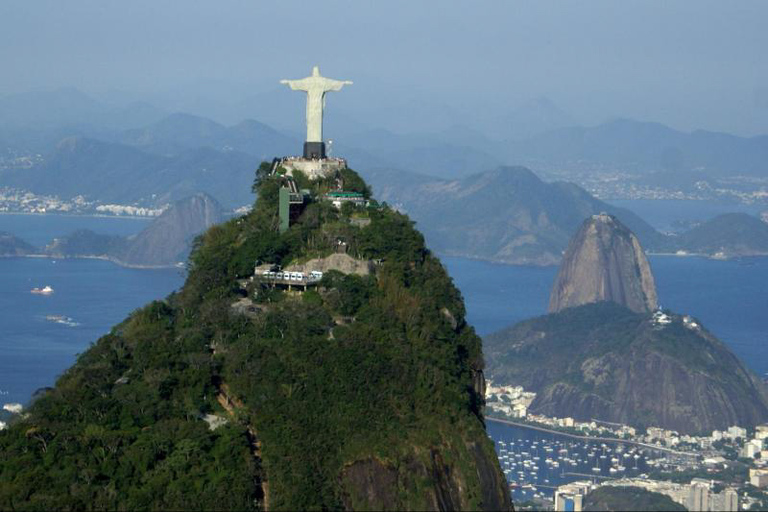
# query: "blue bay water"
(95, 294)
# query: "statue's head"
(316, 71)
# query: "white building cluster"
(512, 401)
(133, 211)
(698, 495)
(20, 201)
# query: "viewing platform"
(289, 280)
(313, 168)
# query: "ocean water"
(576, 459)
(730, 297)
(91, 295)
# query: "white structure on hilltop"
(315, 86)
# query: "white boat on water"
(46, 290)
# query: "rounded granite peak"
(604, 261)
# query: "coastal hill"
(629, 499)
(165, 242)
(11, 245)
(360, 392)
(726, 236)
(603, 361)
(507, 215)
(604, 261)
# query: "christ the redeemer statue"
(315, 86)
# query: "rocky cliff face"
(604, 261)
(164, 243)
(168, 239)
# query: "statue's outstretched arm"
(296, 85)
(336, 85)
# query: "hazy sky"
(690, 64)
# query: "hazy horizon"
(425, 66)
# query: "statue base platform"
(314, 150)
(313, 168)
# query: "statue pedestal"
(313, 168)
(314, 150)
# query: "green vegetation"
(375, 368)
(601, 360)
(732, 472)
(629, 498)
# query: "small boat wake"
(63, 320)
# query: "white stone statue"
(315, 86)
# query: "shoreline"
(88, 215)
(103, 258)
(706, 256)
(586, 438)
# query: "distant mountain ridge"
(647, 146)
(180, 132)
(117, 173)
(519, 221)
(507, 215)
(67, 106)
(726, 236)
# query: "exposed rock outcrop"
(168, 239)
(372, 484)
(604, 261)
(344, 263)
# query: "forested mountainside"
(628, 499)
(363, 392)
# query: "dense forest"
(362, 392)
